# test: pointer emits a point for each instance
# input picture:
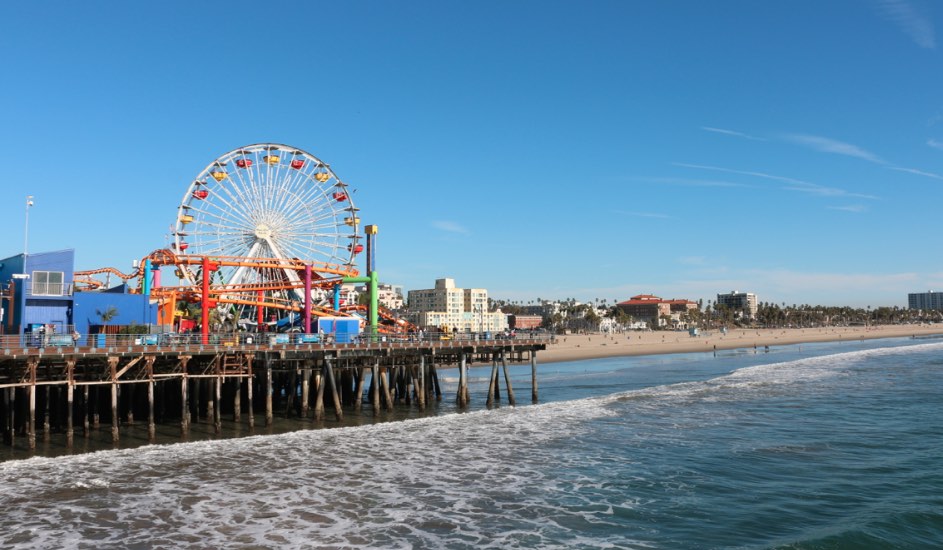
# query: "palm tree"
(108, 314)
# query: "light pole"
(29, 203)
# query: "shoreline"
(579, 347)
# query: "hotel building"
(739, 301)
(462, 309)
(925, 300)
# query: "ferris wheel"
(267, 201)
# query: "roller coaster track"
(247, 294)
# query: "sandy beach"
(575, 347)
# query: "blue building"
(38, 291)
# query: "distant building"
(739, 301)
(520, 322)
(389, 296)
(651, 308)
(925, 300)
(465, 309)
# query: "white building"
(739, 301)
(389, 296)
(464, 309)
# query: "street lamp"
(29, 203)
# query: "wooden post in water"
(305, 383)
(151, 425)
(533, 375)
(113, 369)
(251, 383)
(32, 364)
(47, 428)
(129, 400)
(375, 387)
(218, 408)
(268, 392)
(385, 387)
(507, 379)
(96, 414)
(358, 392)
(492, 381)
(409, 382)
(237, 400)
(86, 411)
(462, 397)
(329, 371)
(9, 401)
(434, 374)
(184, 405)
(421, 383)
(319, 399)
(70, 391)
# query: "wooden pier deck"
(59, 387)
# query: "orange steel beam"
(166, 257)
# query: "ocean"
(833, 445)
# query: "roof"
(649, 299)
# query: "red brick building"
(648, 307)
(521, 322)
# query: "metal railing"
(62, 342)
(49, 289)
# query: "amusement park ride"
(263, 233)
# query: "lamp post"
(29, 203)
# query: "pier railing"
(64, 342)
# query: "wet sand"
(575, 347)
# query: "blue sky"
(536, 149)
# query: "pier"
(61, 387)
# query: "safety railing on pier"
(62, 342)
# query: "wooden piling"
(184, 405)
(492, 381)
(533, 376)
(329, 372)
(151, 424)
(32, 364)
(218, 401)
(462, 395)
(507, 379)
(47, 407)
(268, 393)
(9, 401)
(421, 383)
(375, 388)
(358, 392)
(70, 389)
(113, 367)
(305, 383)
(237, 400)
(250, 409)
(387, 396)
(86, 411)
(434, 373)
(319, 400)
(129, 400)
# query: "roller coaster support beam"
(371, 231)
(260, 317)
(307, 306)
(208, 269)
(337, 296)
(147, 277)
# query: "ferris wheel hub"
(262, 231)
